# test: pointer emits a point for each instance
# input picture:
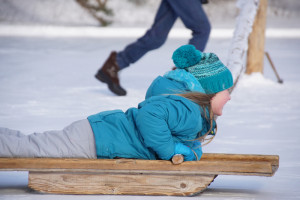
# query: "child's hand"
(185, 151)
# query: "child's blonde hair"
(203, 100)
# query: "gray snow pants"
(74, 141)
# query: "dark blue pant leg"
(194, 18)
(153, 39)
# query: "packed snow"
(47, 81)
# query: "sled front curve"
(136, 177)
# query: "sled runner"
(136, 177)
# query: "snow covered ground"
(47, 81)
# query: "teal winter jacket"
(179, 81)
(174, 82)
(149, 131)
(162, 85)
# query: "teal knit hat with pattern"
(207, 68)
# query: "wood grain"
(256, 40)
(230, 164)
(136, 177)
(68, 183)
(177, 159)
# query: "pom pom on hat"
(207, 68)
(186, 56)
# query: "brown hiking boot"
(109, 74)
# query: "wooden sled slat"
(132, 176)
(229, 164)
(122, 184)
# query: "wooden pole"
(177, 159)
(256, 41)
(273, 67)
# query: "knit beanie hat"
(211, 73)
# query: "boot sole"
(104, 79)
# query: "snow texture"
(47, 81)
(239, 42)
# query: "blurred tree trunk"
(256, 42)
(98, 9)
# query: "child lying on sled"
(160, 127)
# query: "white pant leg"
(74, 141)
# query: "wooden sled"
(136, 177)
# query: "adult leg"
(194, 18)
(153, 38)
(74, 141)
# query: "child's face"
(218, 102)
